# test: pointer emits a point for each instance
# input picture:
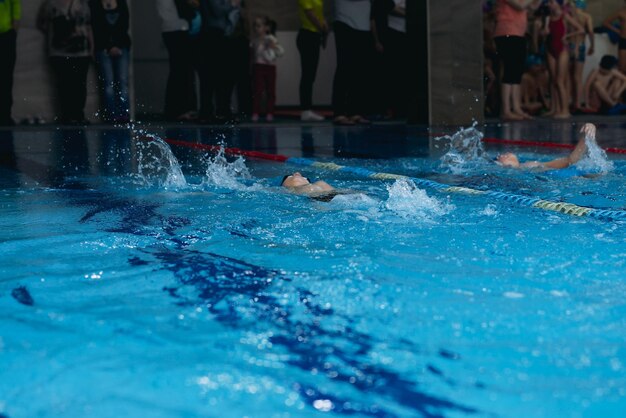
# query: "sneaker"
(255, 117)
(269, 118)
(310, 116)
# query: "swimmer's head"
(581, 4)
(294, 180)
(508, 159)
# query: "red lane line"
(544, 144)
(230, 151)
(282, 158)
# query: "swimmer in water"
(320, 190)
(588, 131)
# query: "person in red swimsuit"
(558, 55)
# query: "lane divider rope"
(533, 202)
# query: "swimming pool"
(125, 292)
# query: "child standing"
(265, 51)
(558, 55)
(578, 49)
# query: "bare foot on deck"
(511, 117)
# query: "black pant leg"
(396, 71)
(359, 67)
(59, 65)
(343, 72)
(309, 44)
(180, 92)
(80, 68)
(7, 67)
(226, 77)
(243, 79)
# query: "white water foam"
(595, 160)
(466, 150)
(233, 175)
(157, 165)
(410, 202)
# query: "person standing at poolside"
(558, 55)
(220, 18)
(509, 36)
(10, 15)
(180, 32)
(579, 50)
(311, 37)
(609, 23)
(67, 25)
(353, 40)
(111, 22)
(266, 50)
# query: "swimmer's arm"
(588, 130)
(557, 163)
(531, 164)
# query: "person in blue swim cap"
(588, 130)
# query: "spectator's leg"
(180, 91)
(309, 47)
(79, 86)
(106, 81)
(270, 88)
(341, 82)
(120, 72)
(226, 78)
(258, 90)
(243, 77)
(7, 68)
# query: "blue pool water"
(128, 290)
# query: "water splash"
(234, 175)
(410, 202)
(157, 165)
(466, 150)
(595, 159)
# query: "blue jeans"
(113, 76)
